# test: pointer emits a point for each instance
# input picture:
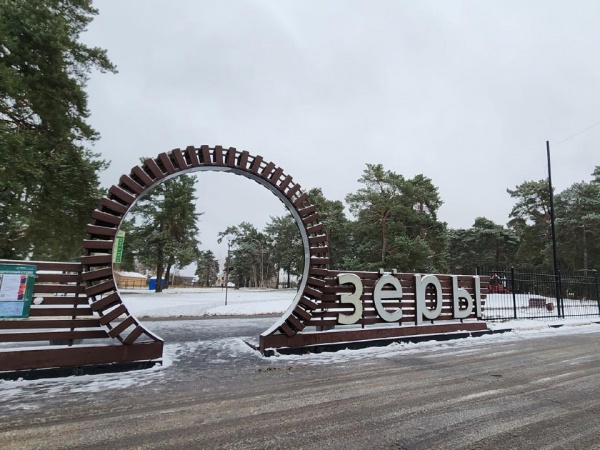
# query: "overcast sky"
(464, 92)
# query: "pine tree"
(163, 230)
(48, 175)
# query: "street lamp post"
(227, 263)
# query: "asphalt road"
(517, 391)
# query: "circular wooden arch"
(101, 289)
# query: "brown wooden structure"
(81, 302)
(63, 329)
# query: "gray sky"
(465, 92)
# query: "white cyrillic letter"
(421, 284)
(379, 294)
(457, 294)
(353, 299)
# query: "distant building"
(131, 280)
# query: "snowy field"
(206, 302)
(198, 302)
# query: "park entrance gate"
(78, 309)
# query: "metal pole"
(597, 291)
(227, 270)
(512, 285)
(557, 283)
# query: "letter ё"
(379, 294)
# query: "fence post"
(597, 291)
(562, 300)
(512, 288)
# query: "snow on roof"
(131, 275)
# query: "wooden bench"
(537, 302)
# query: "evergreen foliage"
(163, 228)
(207, 268)
(48, 175)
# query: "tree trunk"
(168, 275)
(159, 270)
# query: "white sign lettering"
(422, 312)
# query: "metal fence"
(535, 295)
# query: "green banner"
(16, 290)
(118, 247)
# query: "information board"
(16, 290)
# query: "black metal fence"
(535, 295)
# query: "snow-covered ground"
(188, 303)
(195, 302)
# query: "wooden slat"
(315, 229)
(316, 282)
(295, 188)
(277, 175)
(293, 320)
(52, 336)
(96, 244)
(166, 161)
(319, 250)
(59, 289)
(153, 167)
(62, 300)
(219, 155)
(287, 330)
(313, 292)
(131, 184)
(121, 194)
(318, 272)
(79, 355)
(179, 158)
(256, 164)
(308, 303)
(113, 206)
(231, 155)
(57, 278)
(116, 331)
(106, 217)
(96, 260)
(317, 239)
(302, 313)
(143, 176)
(52, 312)
(112, 315)
(266, 172)
(205, 151)
(192, 155)
(300, 200)
(100, 288)
(307, 211)
(243, 162)
(100, 274)
(100, 231)
(106, 302)
(48, 323)
(46, 265)
(285, 183)
(136, 333)
(312, 218)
